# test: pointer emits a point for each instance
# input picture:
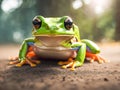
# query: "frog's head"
(53, 29)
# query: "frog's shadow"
(27, 73)
(42, 69)
(46, 68)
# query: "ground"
(49, 76)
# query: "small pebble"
(105, 79)
(63, 78)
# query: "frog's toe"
(72, 69)
(71, 65)
(13, 58)
(106, 61)
(30, 62)
(65, 62)
(35, 61)
(92, 60)
(18, 65)
(21, 63)
(13, 62)
(33, 65)
(100, 61)
(64, 66)
(68, 64)
(60, 63)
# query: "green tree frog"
(56, 38)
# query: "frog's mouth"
(53, 40)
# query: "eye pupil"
(68, 23)
(36, 23)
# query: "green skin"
(55, 26)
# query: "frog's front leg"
(78, 57)
(26, 54)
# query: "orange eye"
(68, 23)
(36, 23)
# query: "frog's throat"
(53, 41)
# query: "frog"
(56, 38)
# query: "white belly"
(59, 53)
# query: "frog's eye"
(68, 23)
(36, 23)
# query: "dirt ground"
(49, 76)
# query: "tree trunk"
(53, 7)
(117, 16)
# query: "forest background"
(98, 20)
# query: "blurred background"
(98, 20)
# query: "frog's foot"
(32, 63)
(68, 64)
(13, 60)
(28, 60)
(95, 57)
(101, 59)
(18, 63)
